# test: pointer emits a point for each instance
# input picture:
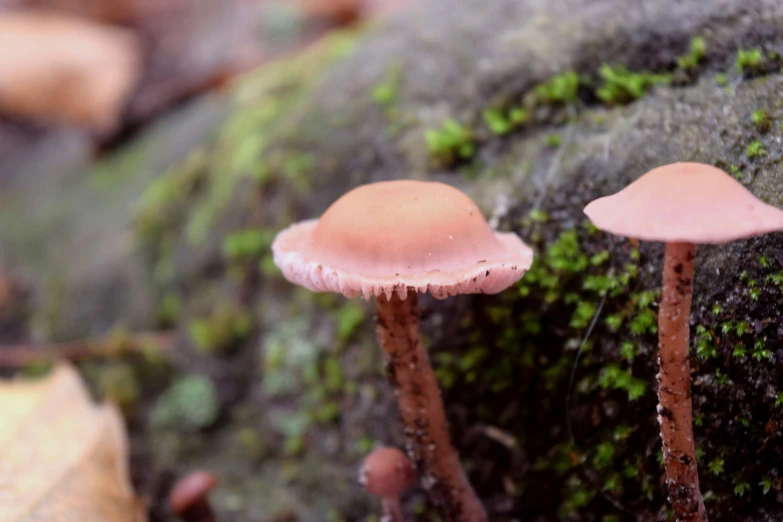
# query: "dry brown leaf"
(59, 68)
(62, 457)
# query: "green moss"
(622, 86)
(755, 149)
(310, 380)
(385, 92)
(749, 60)
(563, 88)
(252, 443)
(554, 140)
(761, 120)
(450, 142)
(226, 326)
(604, 455)
(250, 243)
(502, 122)
(118, 383)
(614, 377)
(349, 317)
(263, 109)
(583, 314)
(538, 216)
(695, 54)
(188, 405)
(741, 487)
(716, 466)
(703, 339)
(166, 194)
(721, 79)
(766, 484)
(169, 309)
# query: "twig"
(113, 345)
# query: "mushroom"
(681, 204)
(188, 497)
(392, 240)
(387, 473)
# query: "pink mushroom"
(392, 240)
(387, 473)
(682, 204)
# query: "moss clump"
(761, 120)
(755, 149)
(622, 86)
(117, 382)
(450, 142)
(190, 404)
(385, 92)
(350, 317)
(563, 88)
(310, 382)
(249, 243)
(695, 54)
(226, 326)
(169, 310)
(194, 195)
(502, 122)
(554, 140)
(749, 60)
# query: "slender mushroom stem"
(392, 510)
(421, 409)
(674, 384)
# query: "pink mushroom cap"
(685, 202)
(386, 472)
(396, 236)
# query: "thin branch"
(113, 345)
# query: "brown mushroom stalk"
(674, 384)
(421, 408)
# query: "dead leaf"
(62, 457)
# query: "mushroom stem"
(392, 510)
(421, 409)
(674, 384)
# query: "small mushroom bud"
(188, 498)
(386, 473)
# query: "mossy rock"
(550, 385)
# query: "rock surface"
(358, 108)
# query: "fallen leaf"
(62, 457)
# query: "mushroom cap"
(386, 472)
(190, 489)
(399, 236)
(685, 202)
